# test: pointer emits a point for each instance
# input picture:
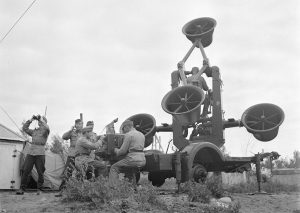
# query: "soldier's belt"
(81, 154)
(135, 150)
(37, 144)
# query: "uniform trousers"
(39, 162)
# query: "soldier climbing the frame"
(195, 79)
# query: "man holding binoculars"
(36, 152)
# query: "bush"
(97, 190)
(214, 184)
(120, 197)
(147, 196)
(197, 192)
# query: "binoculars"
(36, 117)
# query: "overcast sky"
(113, 58)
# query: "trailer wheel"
(156, 179)
(199, 173)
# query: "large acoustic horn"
(144, 123)
(184, 103)
(263, 121)
(201, 28)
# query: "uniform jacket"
(133, 146)
(197, 81)
(85, 146)
(39, 138)
(73, 137)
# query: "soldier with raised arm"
(73, 134)
(196, 79)
(36, 152)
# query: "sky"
(112, 59)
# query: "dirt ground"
(47, 202)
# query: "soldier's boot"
(20, 191)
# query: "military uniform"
(132, 148)
(198, 81)
(36, 153)
(85, 158)
(73, 136)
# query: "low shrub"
(197, 192)
(122, 196)
(96, 190)
(214, 184)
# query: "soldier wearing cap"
(84, 159)
(73, 134)
(36, 152)
(132, 150)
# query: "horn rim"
(198, 19)
(167, 96)
(280, 111)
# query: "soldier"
(36, 152)
(73, 134)
(84, 158)
(195, 79)
(132, 148)
(175, 78)
(199, 81)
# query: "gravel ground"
(47, 202)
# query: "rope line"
(17, 21)
(10, 118)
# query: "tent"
(12, 157)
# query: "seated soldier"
(84, 159)
(132, 150)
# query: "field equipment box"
(156, 162)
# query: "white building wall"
(9, 165)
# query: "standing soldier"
(73, 134)
(36, 152)
(132, 148)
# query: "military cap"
(90, 123)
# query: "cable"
(10, 118)
(17, 21)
